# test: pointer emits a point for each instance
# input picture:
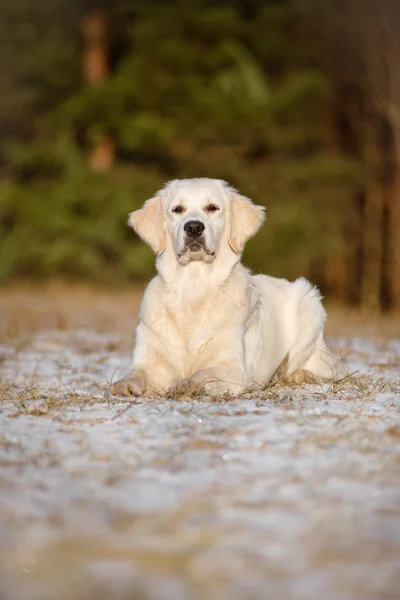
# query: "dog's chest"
(192, 327)
(197, 330)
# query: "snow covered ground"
(292, 493)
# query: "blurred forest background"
(295, 102)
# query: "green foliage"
(196, 89)
(75, 224)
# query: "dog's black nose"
(194, 229)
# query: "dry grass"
(26, 309)
(354, 322)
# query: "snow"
(293, 492)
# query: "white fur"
(205, 321)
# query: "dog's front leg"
(151, 371)
(213, 380)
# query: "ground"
(291, 493)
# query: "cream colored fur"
(206, 323)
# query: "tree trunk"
(102, 156)
(371, 276)
(95, 66)
(336, 276)
(372, 245)
(394, 228)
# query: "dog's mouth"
(196, 250)
(195, 247)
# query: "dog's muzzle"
(195, 247)
(194, 239)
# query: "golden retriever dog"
(207, 323)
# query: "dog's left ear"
(245, 220)
(149, 223)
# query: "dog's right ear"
(150, 224)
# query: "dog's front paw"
(185, 387)
(127, 387)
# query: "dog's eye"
(177, 209)
(211, 208)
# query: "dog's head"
(195, 217)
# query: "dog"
(206, 323)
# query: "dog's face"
(197, 216)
